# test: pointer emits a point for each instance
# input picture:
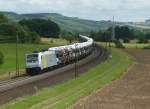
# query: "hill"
(66, 23)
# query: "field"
(127, 45)
(63, 95)
(135, 45)
(129, 92)
(9, 51)
(53, 41)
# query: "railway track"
(7, 87)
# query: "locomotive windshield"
(32, 58)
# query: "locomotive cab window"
(33, 58)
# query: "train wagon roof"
(48, 52)
(54, 48)
(76, 45)
(41, 53)
(58, 48)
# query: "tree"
(35, 38)
(3, 19)
(8, 29)
(102, 35)
(97, 36)
(13, 29)
(142, 40)
(45, 28)
(123, 32)
(68, 36)
(108, 34)
(147, 36)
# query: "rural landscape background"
(122, 30)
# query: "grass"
(9, 51)
(147, 47)
(65, 94)
(135, 45)
(128, 45)
(55, 41)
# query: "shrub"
(142, 40)
(118, 44)
(126, 40)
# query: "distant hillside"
(66, 23)
(136, 25)
(147, 22)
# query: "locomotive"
(39, 62)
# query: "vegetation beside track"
(65, 94)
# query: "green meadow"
(128, 45)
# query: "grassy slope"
(65, 23)
(9, 51)
(65, 94)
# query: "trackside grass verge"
(63, 95)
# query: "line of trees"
(28, 31)
(45, 28)
(9, 30)
(121, 32)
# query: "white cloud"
(124, 10)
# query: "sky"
(122, 10)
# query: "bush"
(118, 44)
(142, 40)
(1, 58)
(3, 18)
(126, 40)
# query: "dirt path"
(130, 92)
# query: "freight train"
(39, 62)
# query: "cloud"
(124, 10)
